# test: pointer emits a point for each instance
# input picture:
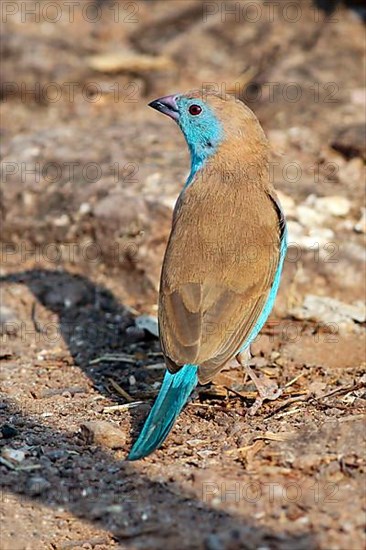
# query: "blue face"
(201, 128)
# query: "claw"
(267, 389)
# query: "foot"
(267, 389)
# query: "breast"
(221, 233)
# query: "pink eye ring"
(195, 110)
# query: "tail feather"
(174, 393)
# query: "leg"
(267, 389)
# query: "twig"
(243, 395)
(123, 407)
(311, 399)
(36, 324)
(205, 405)
(280, 436)
(348, 389)
(118, 357)
(287, 413)
(155, 366)
(253, 394)
(294, 380)
(248, 449)
(300, 399)
(7, 463)
(11, 466)
(239, 450)
(120, 390)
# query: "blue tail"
(173, 395)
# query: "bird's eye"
(195, 110)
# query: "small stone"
(37, 485)
(134, 334)
(352, 171)
(103, 433)
(306, 238)
(13, 455)
(8, 431)
(329, 310)
(85, 208)
(62, 221)
(351, 141)
(334, 205)
(9, 324)
(358, 96)
(309, 217)
(56, 454)
(153, 180)
(148, 323)
(304, 139)
(360, 226)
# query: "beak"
(166, 105)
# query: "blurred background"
(90, 175)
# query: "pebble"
(56, 454)
(62, 221)
(13, 455)
(329, 310)
(350, 141)
(148, 323)
(9, 323)
(103, 433)
(316, 210)
(360, 226)
(298, 236)
(8, 431)
(309, 216)
(334, 205)
(352, 171)
(37, 485)
(358, 96)
(31, 152)
(152, 181)
(134, 334)
(85, 208)
(304, 139)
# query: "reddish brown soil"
(81, 260)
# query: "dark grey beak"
(166, 105)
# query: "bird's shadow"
(87, 313)
(92, 484)
(93, 324)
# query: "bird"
(225, 253)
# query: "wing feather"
(213, 289)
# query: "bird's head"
(208, 120)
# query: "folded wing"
(218, 270)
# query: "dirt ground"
(89, 178)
